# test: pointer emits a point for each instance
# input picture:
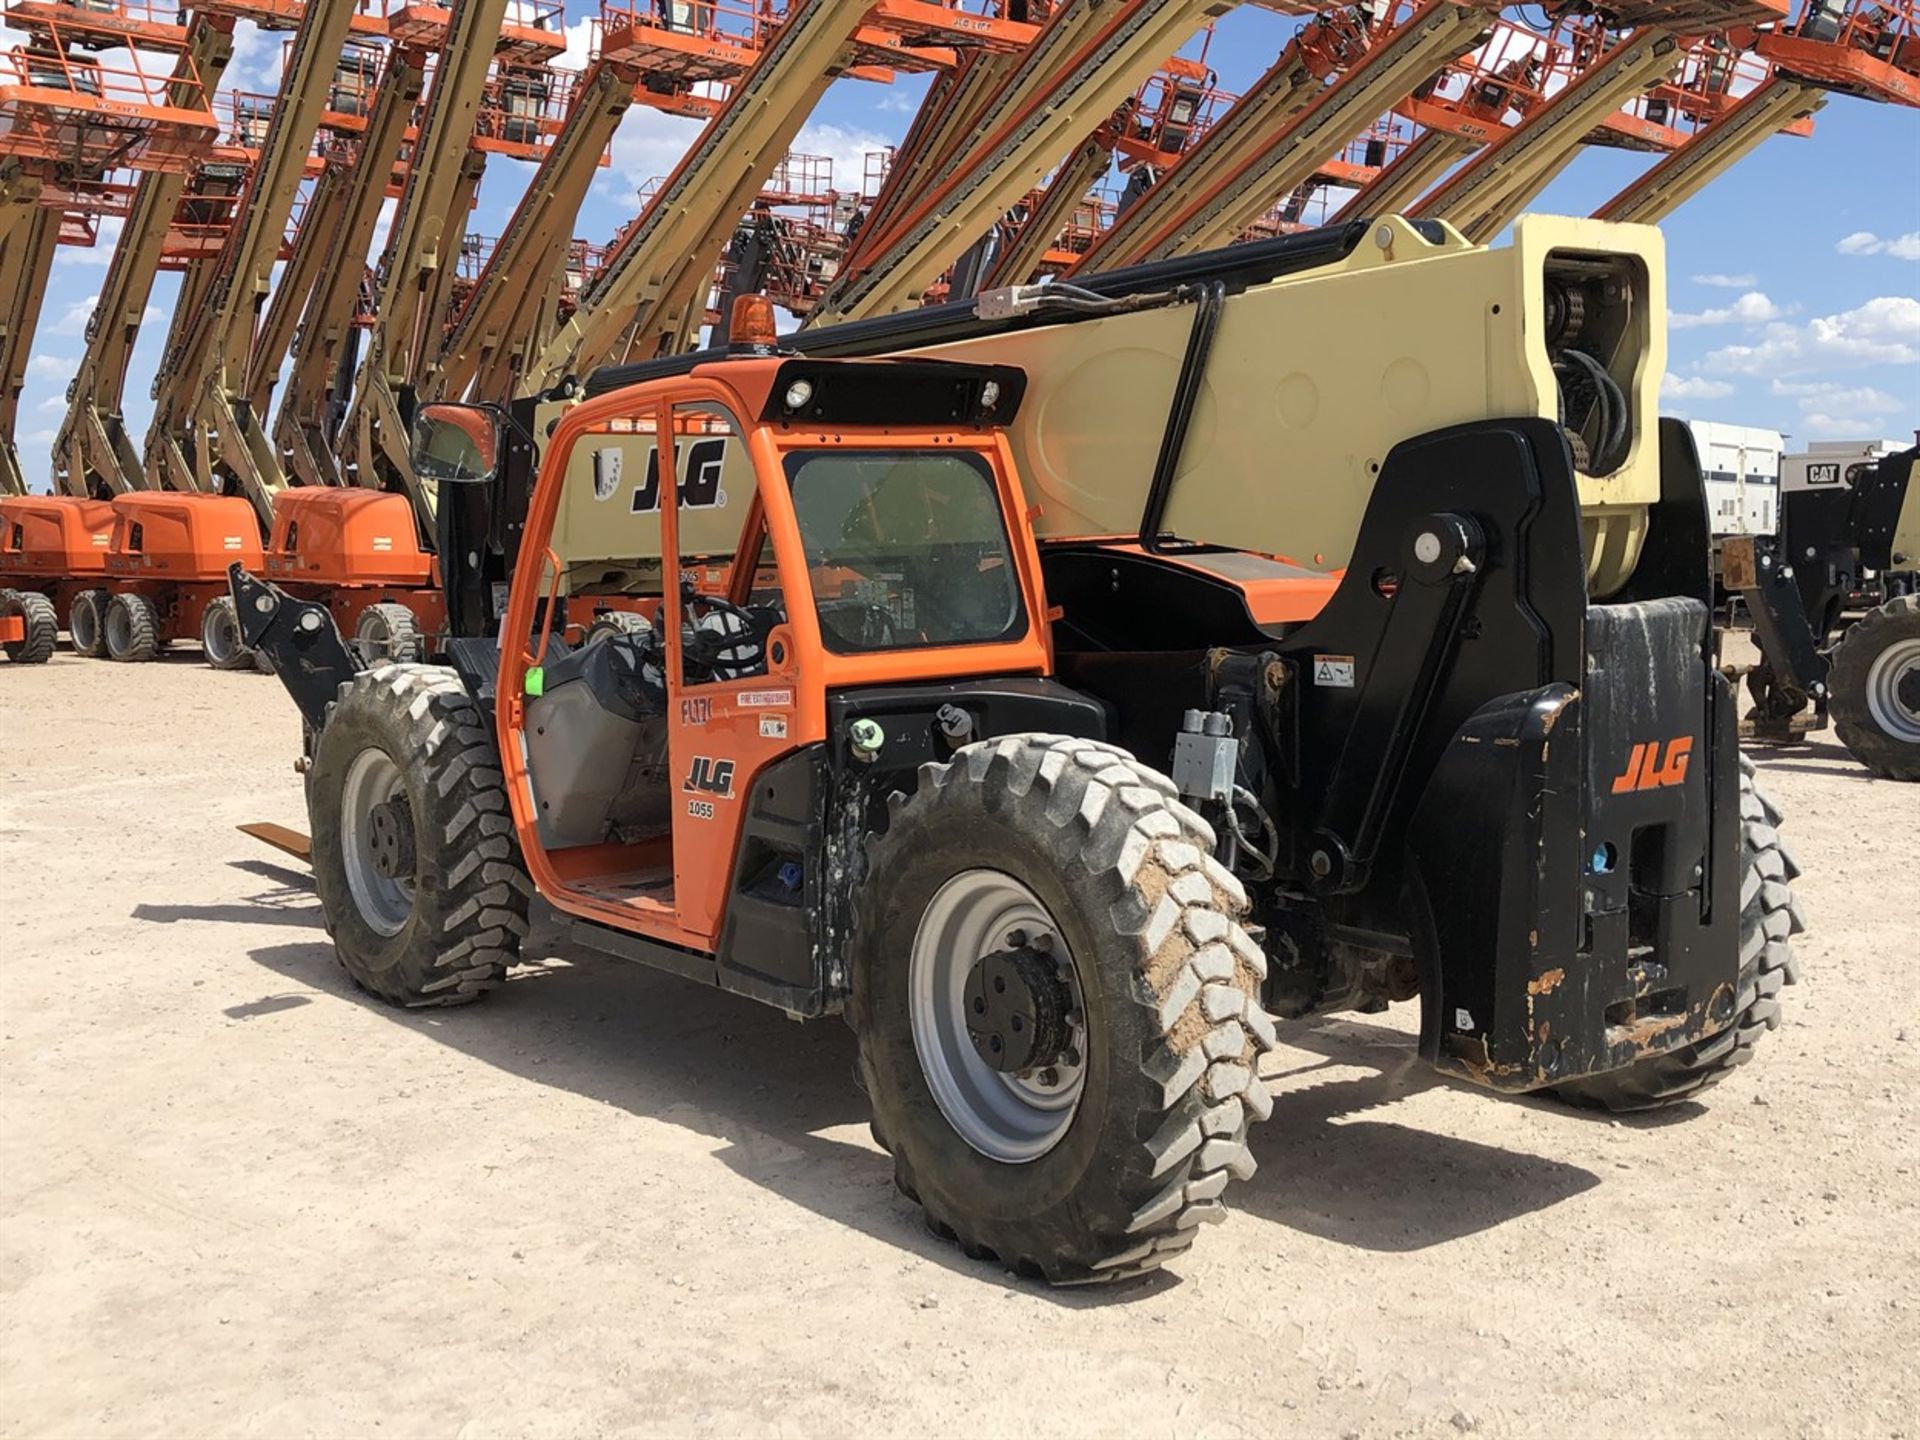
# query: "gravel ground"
(240, 1199)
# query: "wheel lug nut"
(1016, 939)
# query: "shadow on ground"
(1815, 755)
(670, 1050)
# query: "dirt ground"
(240, 1199)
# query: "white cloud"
(382, 227)
(1727, 282)
(847, 149)
(74, 322)
(1883, 331)
(646, 147)
(258, 59)
(1693, 387)
(100, 252)
(58, 368)
(1752, 308)
(1829, 408)
(1865, 242)
(580, 38)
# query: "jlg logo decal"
(1647, 771)
(715, 777)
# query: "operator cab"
(838, 524)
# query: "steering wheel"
(860, 624)
(723, 654)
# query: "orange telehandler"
(1063, 813)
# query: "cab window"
(905, 548)
(720, 641)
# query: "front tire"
(40, 623)
(1070, 855)
(1769, 919)
(414, 855)
(132, 629)
(1873, 683)
(87, 622)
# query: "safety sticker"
(773, 727)
(383, 542)
(234, 542)
(1334, 670)
(764, 699)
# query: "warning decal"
(1334, 670)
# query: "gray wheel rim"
(1007, 1118)
(83, 624)
(219, 635)
(384, 903)
(119, 630)
(372, 637)
(1889, 668)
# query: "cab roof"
(922, 394)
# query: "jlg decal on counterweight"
(1646, 770)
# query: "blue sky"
(1794, 280)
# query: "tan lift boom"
(422, 255)
(92, 452)
(201, 411)
(1483, 197)
(652, 295)
(1239, 170)
(1760, 114)
(511, 314)
(1017, 263)
(26, 259)
(324, 308)
(1083, 64)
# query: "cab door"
(734, 671)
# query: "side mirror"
(456, 442)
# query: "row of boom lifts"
(329, 285)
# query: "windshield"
(905, 548)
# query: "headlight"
(798, 394)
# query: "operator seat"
(597, 743)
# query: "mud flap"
(1574, 866)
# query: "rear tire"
(1873, 685)
(220, 636)
(387, 632)
(1769, 918)
(87, 622)
(414, 855)
(40, 622)
(133, 629)
(1165, 980)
